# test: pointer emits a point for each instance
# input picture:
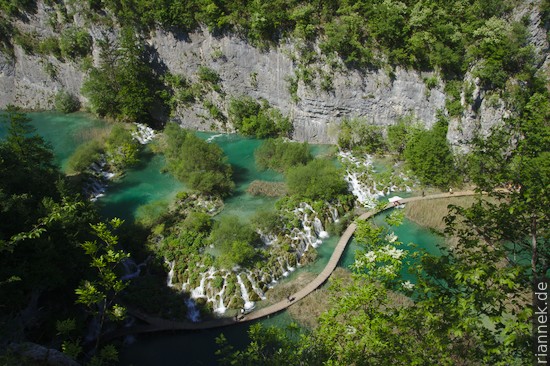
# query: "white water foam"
(244, 293)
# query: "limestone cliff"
(32, 81)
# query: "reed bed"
(269, 189)
(95, 133)
(430, 213)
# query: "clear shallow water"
(146, 183)
(65, 132)
(240, 153)
(141, 185)
(408, 232)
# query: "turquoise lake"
(146, 183)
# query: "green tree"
(66, 102)
(281, 155)
(75, 43)
(520, 214)
(429, 156)
(123, 86)
(357, 134)
(121, 148)
(99, 295)
(400, 134)
(260, 120)
(194, 161)
(318, 180)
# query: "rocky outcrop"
(32, 81)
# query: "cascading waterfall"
(212, 138)
(143, 134)
(220, 308)
(96, 184)
(131, 269)
(193, 313)
(333, 212)
(244, 293)
(172, 264)
(258, 291)
(312, 229)
(309, 234)
(367, 196)
(199, 291)
(319, 230)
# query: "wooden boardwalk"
(159, 324)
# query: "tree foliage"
(460, 309)
(99, 295)
(318, 180)
(357, 134)
(281, 155)
(429, 156)
(260, 120)
(122, 87)
(515, 157)
(66, 102)
(199, 164)
(235, 240)
(41, 223)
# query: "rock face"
(244, 69)
(32, 81)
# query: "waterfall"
(143, 134)
(96, 184)
(267, 239)
(255, 287)
(193, 312)
(212, 138)
(333, 212)
(244, 293)
(319, 230)
(199, 291)
(220, 308)
(170, 273)
(367, 196)
(131, 269)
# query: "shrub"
(208, 75)
(66, 102)
(121, 148)
(49, 46)
(75, 43)
(355, 133)
(84, 156)
(260, 120)
(197, 222)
